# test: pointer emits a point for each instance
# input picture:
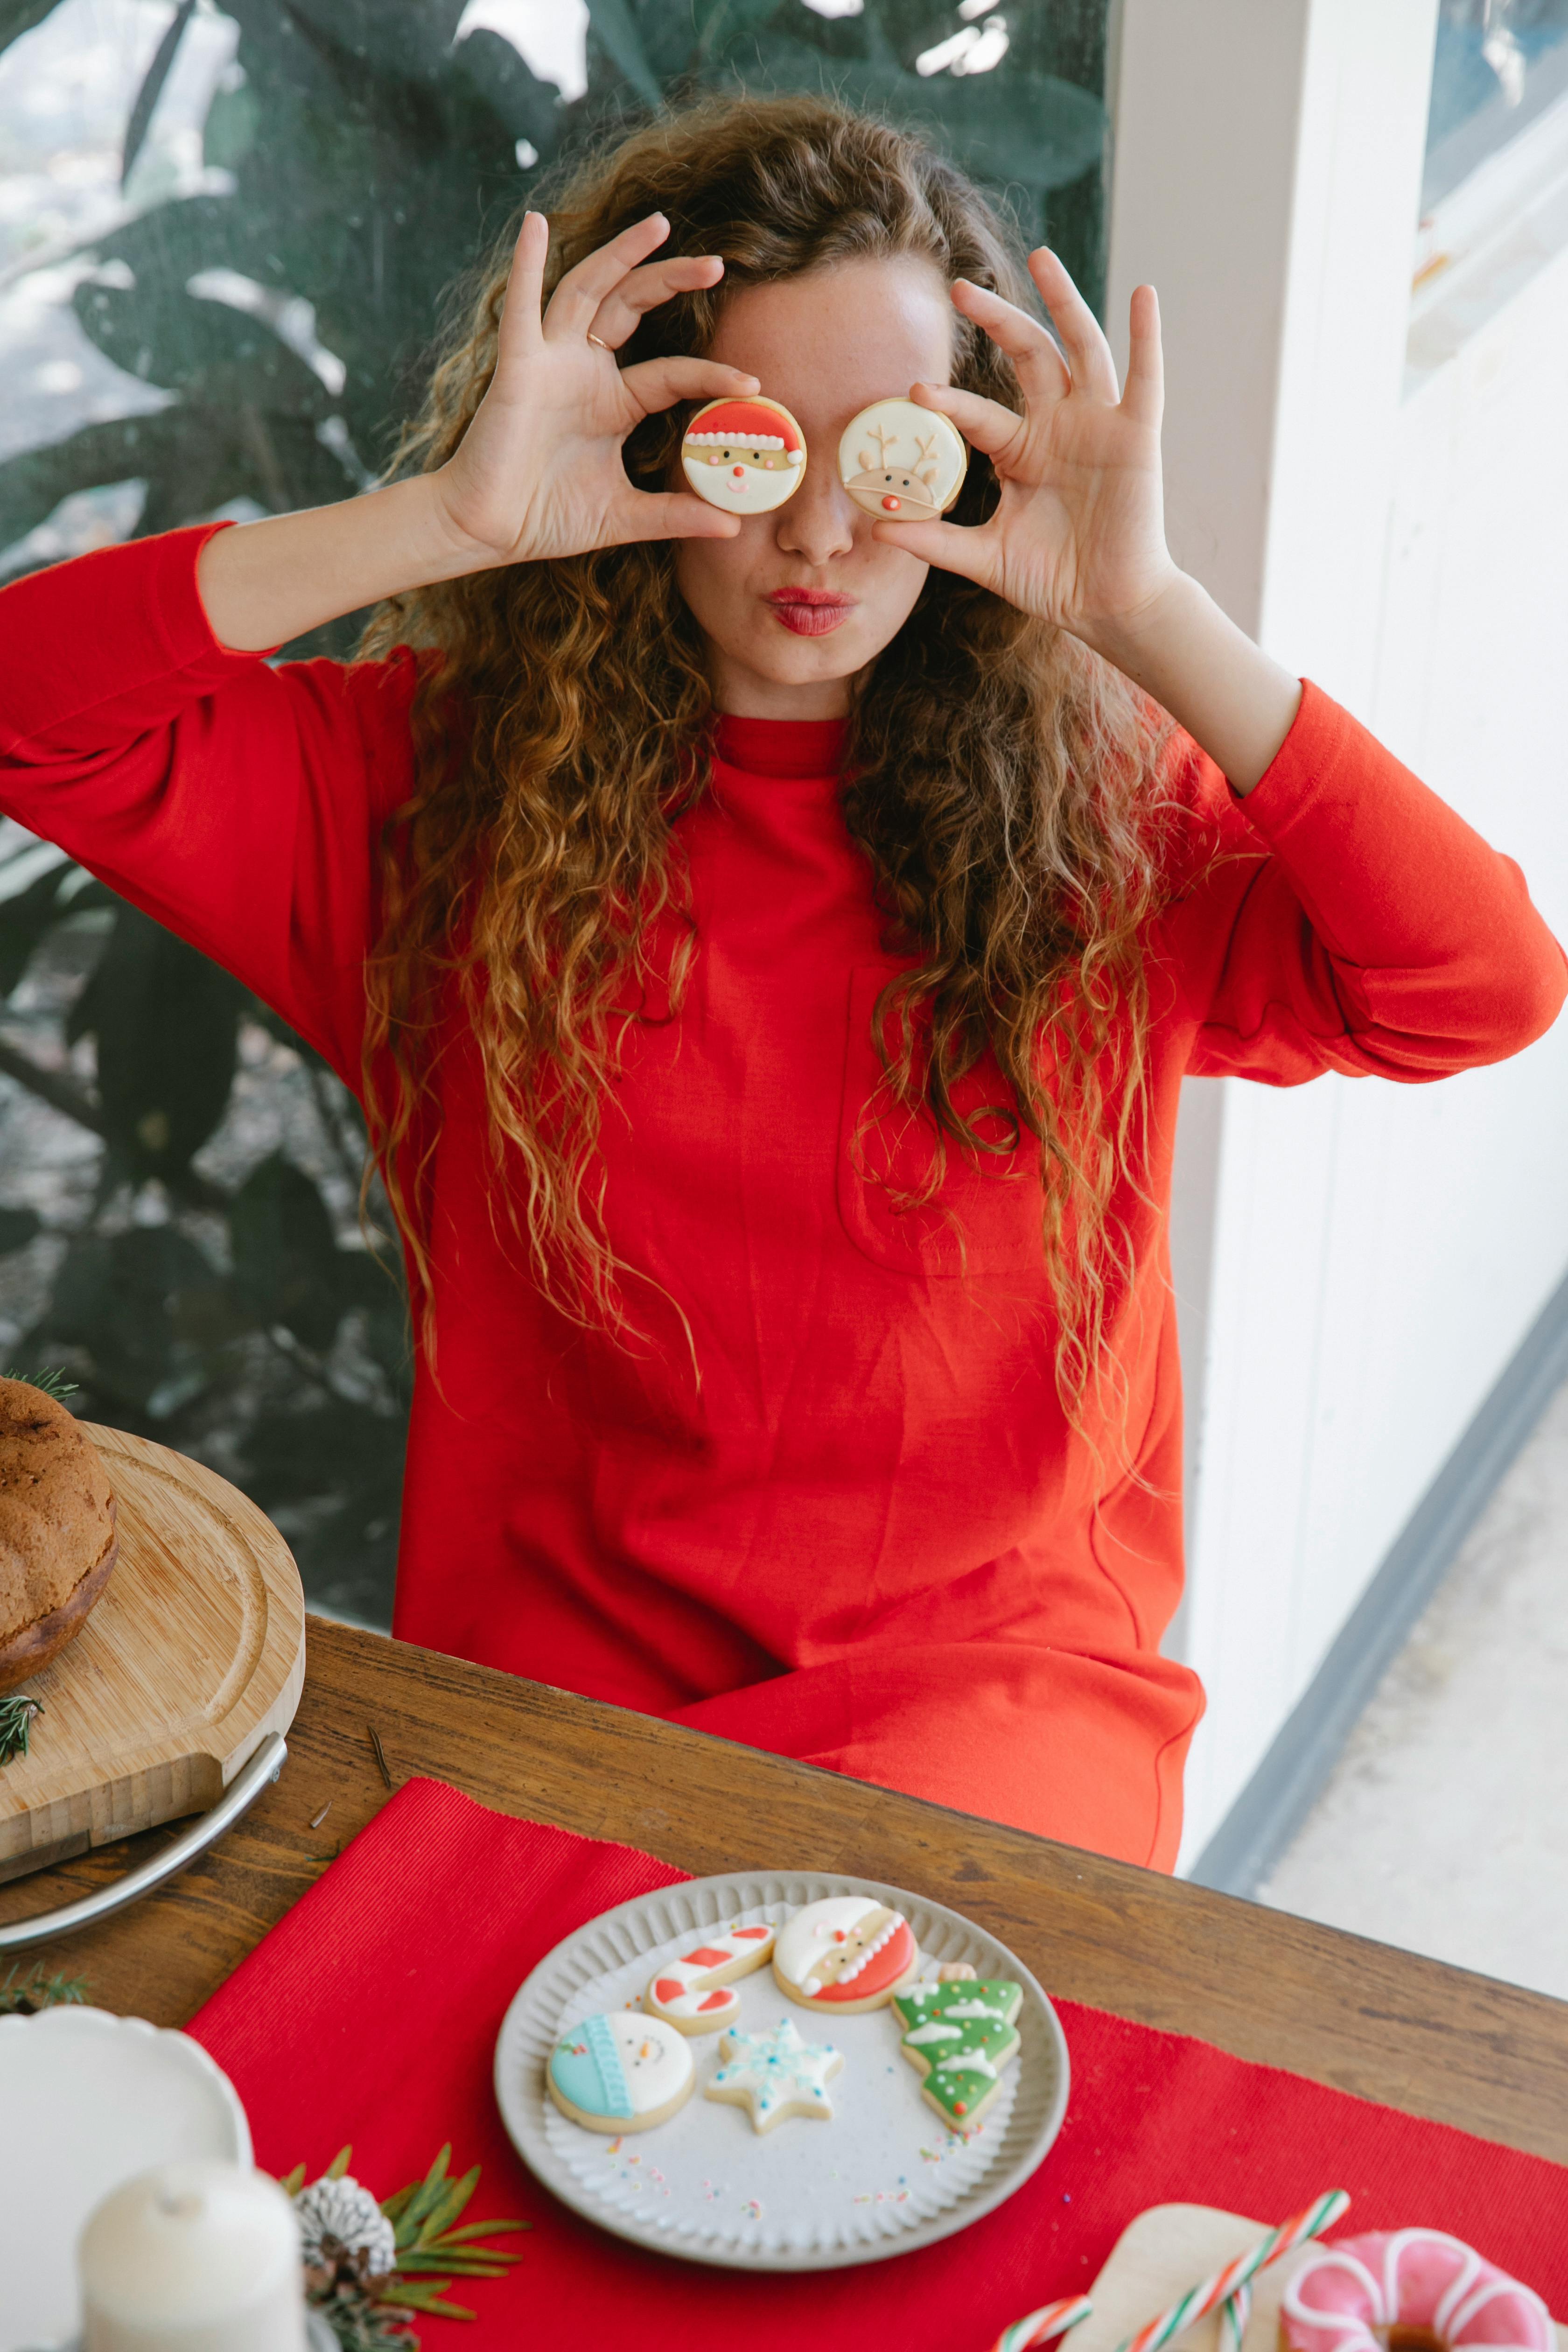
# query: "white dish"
(886, 2175)
(86, 2100)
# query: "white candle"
(193, 2257)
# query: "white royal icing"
(622, 2063)
(693, 1974)
(808, 1938)
(934, 2031)
(776, 2069)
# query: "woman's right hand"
(539, 472)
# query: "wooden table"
(1409, 2032)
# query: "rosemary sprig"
(53, 1383)
(37, 1991)
(17, 1709)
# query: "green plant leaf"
(19, 16)
(615, 30)
(166, 1023)
(286, 1254)
(152, 89)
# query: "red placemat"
(370, 2014)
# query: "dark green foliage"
(372, 158)
(17, 1711)
(23, 1994)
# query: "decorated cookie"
(848, 1952)
(902, 462)
(775, 2074)
(693, 1994)
(960, 2035)
(745, 456)
(622, 2073)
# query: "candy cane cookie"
(693, 1994)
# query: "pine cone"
(343, 2230)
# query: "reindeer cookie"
(902, 462)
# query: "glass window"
(1500, 64)
(223, 240)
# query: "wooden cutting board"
(1168, 2250)
(195, 1652)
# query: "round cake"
(58, 1541)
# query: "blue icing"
(586, 2069)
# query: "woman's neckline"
(780, 746)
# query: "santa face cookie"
(848, 1952)
(745, 456)
(693, 1994)
(902, 462)
(960, 2035)
(775, 2074)
(621, 2073)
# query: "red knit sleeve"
(237, 802)
(1345, 918)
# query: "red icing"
(960, 2108)
(752, 1931)
(746, 420)
(705, 1957)
(667, 1989)
(890, 1963)
(891, 504)
(720, 1997)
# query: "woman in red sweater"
(769, 951)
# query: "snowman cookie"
(694, 1993)
(621, 2073)
(846, 1953)
(900, 463)
(745, 456)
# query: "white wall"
(1356, 1261)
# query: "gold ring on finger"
(599, 339)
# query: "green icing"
(960, 2036)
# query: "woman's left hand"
(1078, 536)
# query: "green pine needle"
(37, 1991)
(56, 1384)
(429, 2239)
(17, 1709)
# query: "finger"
(1038, 365)
(659, 384)
(619, 314)
(524, 287)
(668, 514)
(973, 555)
(985, 425)
(1144, 398)
(1083, 339)
(581, 291)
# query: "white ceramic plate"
(87, 2099)
(886, 2175)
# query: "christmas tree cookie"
(960, 2036)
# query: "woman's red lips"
(810, 611)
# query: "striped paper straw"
(1039, 2326)
(1212, 2292)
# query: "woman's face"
(804, 598)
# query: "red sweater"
(868, 1536)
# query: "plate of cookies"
(771, 2071)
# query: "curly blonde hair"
(997, 775)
